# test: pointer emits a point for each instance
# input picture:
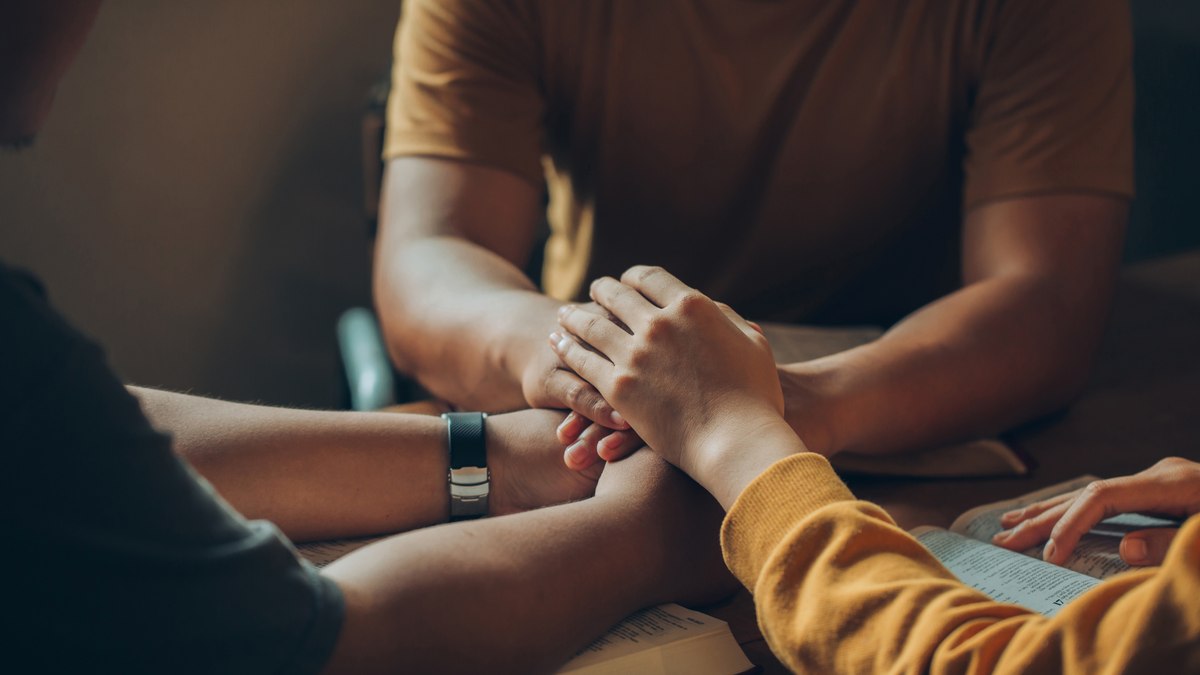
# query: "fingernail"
(1011, 515)
(576, 453)
(564, 310)
(1134, 550)
(555, 338)
(1001, 535)
(563, 424)
(1049, 551)
(605, 447)
(617, 418)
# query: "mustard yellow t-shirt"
(802, 159)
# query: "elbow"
(396, 332)
(396, 313)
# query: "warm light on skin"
(38, 41)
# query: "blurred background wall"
(1166, 214)
(195, 202)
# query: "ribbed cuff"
(772, 505)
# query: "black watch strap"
(469, 477)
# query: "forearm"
(973, 363)
(836, 583)
(315, 474)
(519, 593)
(463, 320)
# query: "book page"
(1003, 575)
(667, 639)
(1096, 555)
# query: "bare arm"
(319, 474)
(1016, 341)
(505, 594)
(457, 311)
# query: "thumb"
(1147, 547)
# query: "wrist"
(808, 399)
(497, 433)
(736, 454)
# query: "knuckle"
(692, 302)
(639, 358)
(575, 394)
(1096, 490)
(642, 272)
(592, 322)
(650, 271)
(656, 328)
(622, 384)
(600, 407)
(1025, 527)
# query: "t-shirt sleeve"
(1053, 107)
(119, 557)
(466, 85)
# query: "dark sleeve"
(128, 560)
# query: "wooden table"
(1142, 404)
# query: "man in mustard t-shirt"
(956, 171)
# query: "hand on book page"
(1169, 488)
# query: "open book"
(1023, 578)
(982, 457)
(663, 640)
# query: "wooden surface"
(1142, 404)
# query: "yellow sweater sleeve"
(840, 588)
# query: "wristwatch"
(469, 477)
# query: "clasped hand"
(682, 369)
